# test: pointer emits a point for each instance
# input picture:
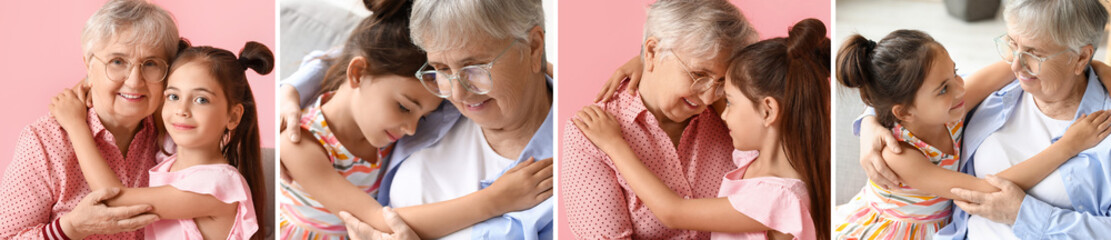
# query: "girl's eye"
(403, 108)
(201, 100)
(172, 97)
(944, 89)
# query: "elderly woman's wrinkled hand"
(359, 230)
(874, 138)
(92, 216)
(290, 112)
(69, 108)
(1000, 207)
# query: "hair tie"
(869, 46)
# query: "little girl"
(778, 103)
(911, 82)
(369, 99)
(211, 184)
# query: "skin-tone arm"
(919, 173)
(875, 138)
(167, 202)
(524, 186)
(711, 214)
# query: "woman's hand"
(631, 70)
(359, 230)
(290, 119)
(523, 186)
(1088, 130)
(873, 139)
(600, 127)
(290, 111)
(69, 108)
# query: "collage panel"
(985, 121)
(417, 119)
(136, 119)
(683, 111)
(457, 119)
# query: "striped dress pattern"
(904, 212)
(301, 216)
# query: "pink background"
(599, 36)
(42, 52)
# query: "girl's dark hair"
(795, 71)
(242, 145)
(383, 39)
(888, 73)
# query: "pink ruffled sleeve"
(780, 204)
(225, 183)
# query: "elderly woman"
(1055, 85)
(668, 123)
(127, 45)
(487, 58)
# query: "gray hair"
(1071, 23)
(700, 27)
(149, 24)
(446, 24)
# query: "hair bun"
(257, 57)
(807, 40)
(383, 10)
(854, 62)
(182, 44)
(805, 36)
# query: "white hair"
(147, 23)
(437, 25)
(699, 27)
(1070, 23)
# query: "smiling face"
(1056, 77)
(667, 83)
(514, 75)
(129, 100)
(940, 99)
(389, 107)
(196, 112)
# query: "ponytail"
(795, 71)
(887, 73)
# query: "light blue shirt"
(1087, 176)
(533, 223)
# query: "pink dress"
(782, 204)
(219, 180)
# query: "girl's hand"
(631, 70)
(523, 186)
(600, 127)
(69, 108)
(1088, 130)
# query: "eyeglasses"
(702, 84)
(475, 78)
(118, 69)
(1030, 63)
